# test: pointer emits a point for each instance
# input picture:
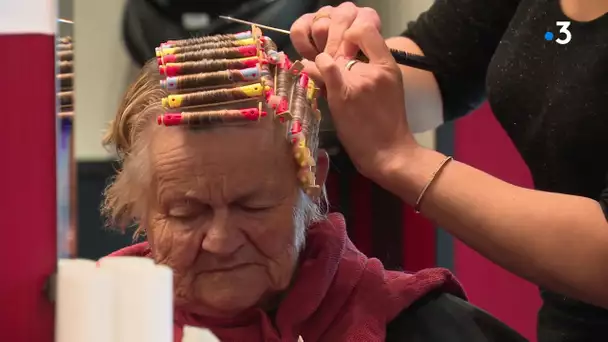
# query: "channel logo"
(563, 37)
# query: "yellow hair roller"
(254, 90)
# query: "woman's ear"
(322, 168)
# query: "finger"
(371, 16)
(349, 64)
(313, 72)
(365, 15)
(371, 42)
(342, 18)
(331, 74)
(352, 67)
(300, 36)
(320, 27)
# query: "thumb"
(313, 72)
(331, 73)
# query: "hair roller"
(208, 39)
(66, 55)
(266, 75)
(214, 97)
(300, 129)
(66, 67)
(64, 46)
(65, 80)
(312, 95)
(211, 79)
(303, 125)
(233, 71)
(299, 102)
(65, 98)
(229, 52)
(161, 51)
(208, 65)
(211, 117)
(270, 50)
(65, 40)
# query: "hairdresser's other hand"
(324, 30)
(367, 103)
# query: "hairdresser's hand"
(324, 30)
(367, 103)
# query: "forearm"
(423, 103)
(557, 241)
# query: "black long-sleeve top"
(551, 99)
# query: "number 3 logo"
(563, 29)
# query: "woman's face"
(221, 214)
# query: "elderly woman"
(207, 142)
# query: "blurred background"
(113, 38)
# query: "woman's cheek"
(178, 242)
(271, 232)
(157, 238)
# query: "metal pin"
(251, 23)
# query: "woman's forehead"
(253, 151)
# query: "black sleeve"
(563, 319)
(441, 317)
(604, 200)
(460, 36)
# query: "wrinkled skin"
(221, 215)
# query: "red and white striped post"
(28, 242)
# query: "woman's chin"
(224, 303)
(219, 307)
(224, 294)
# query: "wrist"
(409, 170)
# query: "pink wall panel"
(28, 211)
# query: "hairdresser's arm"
(423, 100)
(557, 241)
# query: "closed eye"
(183, 214)
(186, 209)
(254, 209)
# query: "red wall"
(482, 143)
(28, 253)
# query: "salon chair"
(441, 317)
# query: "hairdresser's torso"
(552, 100)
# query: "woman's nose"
(221, 237)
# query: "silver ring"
(350, 64)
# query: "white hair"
(305, 213)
